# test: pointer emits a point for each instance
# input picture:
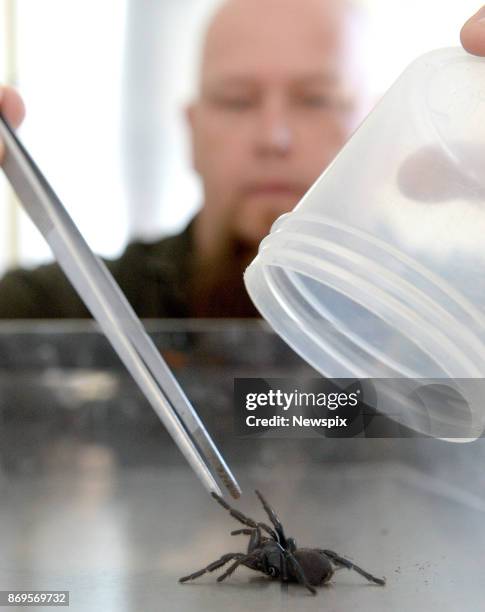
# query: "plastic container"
(379, 272)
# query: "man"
(278, 97)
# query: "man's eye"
(317, 101)
(236, 104)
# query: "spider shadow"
(260, 582)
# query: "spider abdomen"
(317, 567)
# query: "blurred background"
(105, 84)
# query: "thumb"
(473, 33)
(12, 108)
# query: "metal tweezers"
(108, 305)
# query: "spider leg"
(242, 518)
(242, 560)
(255, 540)
(283, 568)
(212, 566)
(338, 560)
(299, 573)
(255, 537)
(273, 517)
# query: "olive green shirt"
(154, 276)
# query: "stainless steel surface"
(96, 500)
(108, 305)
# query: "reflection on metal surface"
(81, 385)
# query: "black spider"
(272, 553)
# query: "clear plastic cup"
(379, 272)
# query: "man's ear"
(190, 117)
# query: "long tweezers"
(108, 305)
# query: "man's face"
(275, 106)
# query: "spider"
(272, 553)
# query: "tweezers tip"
(235, 492)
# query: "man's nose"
(273, 132)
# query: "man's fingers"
(12, 108)
(473, 33)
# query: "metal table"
(96, 500)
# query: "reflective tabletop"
(96, 499)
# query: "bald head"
(289, 30)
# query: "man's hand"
(473, 33)
(12, 108)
